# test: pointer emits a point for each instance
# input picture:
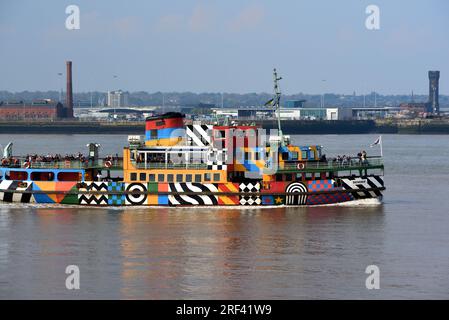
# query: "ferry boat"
(178, 164)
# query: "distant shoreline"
(423, 126)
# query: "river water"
(221, 253)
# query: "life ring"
(300, 166)
(108, 164)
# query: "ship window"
(160, 178)
(151, 177)
(179, 178)
(247, 156)
(256, 156)
(197, 178)
(41, 176)
(219, 134)
(288, 177)
(294, 155)
(216, 177)
(207, 177)
(284, 155)
(153, 134)
(303, 155)
(133, 176)
(188, 178)
(169, 178)
(17, 175)
(279, 177)
(143, 176)
(68, 176)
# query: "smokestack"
(69, 96)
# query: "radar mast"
(277, 99)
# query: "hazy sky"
(229, 46)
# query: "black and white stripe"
(195, 196)
(7, 188)
(199, 135)
(361, 184)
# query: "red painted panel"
(164, 123)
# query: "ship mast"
(277, 99)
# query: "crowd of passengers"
(52, 158)
(347, 160)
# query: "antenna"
(277, 99)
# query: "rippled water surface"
(219, 253)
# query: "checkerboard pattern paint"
(249, 200)
(319, 185)
(116, 199)
(322, 185)
(328, 198)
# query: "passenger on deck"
(364, 159)
(323, 158)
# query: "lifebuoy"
(108, 164)
(300, 166)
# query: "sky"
(225, 46)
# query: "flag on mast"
(378, 141)
(269, 102)
(7, 152)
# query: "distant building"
(118, 99)
(294, 103)
(416, 107)
(38, 110)
(286, 113)
(369, 113)
(189, 108)
(434, 77)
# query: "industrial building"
(285, 113)
(118, 99)
(43, 109)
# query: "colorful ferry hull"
(295, 193)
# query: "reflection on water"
(176, 253)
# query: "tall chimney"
(434, 77)
(69, 93)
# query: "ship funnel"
(164, 130)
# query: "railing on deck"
(351, 164)
(65, 164)
(152, 165)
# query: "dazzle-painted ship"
(178, 164)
